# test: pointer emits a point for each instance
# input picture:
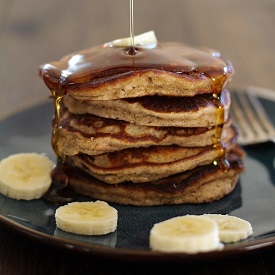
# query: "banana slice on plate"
(231, 228)
(188, 234)
(87, 218)
(25, 176)
(145, 40)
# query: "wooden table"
(35, 32)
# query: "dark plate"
(253, 199)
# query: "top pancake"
(106, 73)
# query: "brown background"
(34, 32)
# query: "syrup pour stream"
(132, 35)
(132, 50)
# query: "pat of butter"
(144, 40)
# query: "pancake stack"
(145, 126)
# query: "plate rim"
(143, 255)
(103, 251)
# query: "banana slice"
(87, 218)
(25, 176)
(231, 228)
(145, 40)
(189, 234)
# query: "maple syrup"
(221, 161)
(132, 49)
(60, 193)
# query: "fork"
(251, 119)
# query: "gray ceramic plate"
(253, 199)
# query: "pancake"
(107, 73)
(203, 184)
(93, 135)
(145, 164)
(198, 111)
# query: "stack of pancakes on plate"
(148, 128)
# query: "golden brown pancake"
(106, 73)
(93, 135)
(203, 184)
(198, 111)
(145, 164)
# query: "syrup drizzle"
(59, 193)
(221, 161)
(132, 33)
(98, 65)
(56, 124)
(132, 49)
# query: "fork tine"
(251, 115)
(263, 117)
(245, 131)
(251, 119)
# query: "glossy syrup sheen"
(100, 64)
